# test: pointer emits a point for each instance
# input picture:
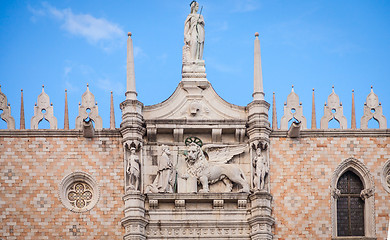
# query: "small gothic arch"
(367, 194)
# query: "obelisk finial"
(258, 93)
(274, 118)
(313, 113)
(22, 121)
(112, 115)
(353, 115)
(131, 93)
(66, 115)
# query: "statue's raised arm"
(194, 33)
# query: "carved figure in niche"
(165, 179)
(261, 165)
(209, 172)
(133, 170)
(194, 34)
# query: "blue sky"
(308, 44)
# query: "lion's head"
(194, 153)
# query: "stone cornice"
(57, 133)
(335, 133)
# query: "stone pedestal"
(194, 71)
(134, 221)
(261, 220)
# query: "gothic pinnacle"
(258, 93)
(131, 93)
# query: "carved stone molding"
(6, 115)
(358, 167)
(333, 109)
(218, 204)
(385, 176)
(373, 109)
(292, 109)
(88, 109)
(180, 204)
(43, 110)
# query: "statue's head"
(165, 150)
(132, 150)
(193, 153)
(258, 151)
(194, 6)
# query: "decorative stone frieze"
(180, 204)
(333, 110)
(373, 109)
(88, 109)
(6, 108)
(43, 110)
(292, 110)
(218, 204)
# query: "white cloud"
(245, 5)
(95, 30)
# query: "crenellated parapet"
(6, 108)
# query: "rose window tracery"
(80, 195)
(79, 192)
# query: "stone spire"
(353, 115)
(112, 115)
(258, 93)
(22, 122)
(131, 94)
(274, 118)
(66, 115)
(313, 113)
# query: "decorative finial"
(43, 88)
(256, 34)
(313, 89)
(273, 93)
(353, 90)
(129, 34)
(0, 88)
(66, 90)
(21, 90)
(333, 86)
(87, 85)
(371, 86)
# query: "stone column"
(132, 130)
(258, 132)
(261, 220)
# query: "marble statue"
(261, 166)
(133, 170)
(165, 179)
(209, 172)
(194, 33)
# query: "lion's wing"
(223, 153)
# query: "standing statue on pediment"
(194, 33)
(261, 167)
(133, 170)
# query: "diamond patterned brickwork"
(301, 173)
(31, 169)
